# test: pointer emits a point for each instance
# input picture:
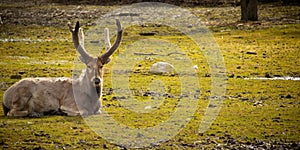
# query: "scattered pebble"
(251, 53)
(148, 107)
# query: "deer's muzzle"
(97, 81)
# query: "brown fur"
(33, 96)
(62, 96)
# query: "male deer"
(36, 97)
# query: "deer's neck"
(87, 87)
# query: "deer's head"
(94, 65)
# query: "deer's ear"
(104, 61)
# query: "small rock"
(153, 144)
(267, 75)
(251, 53)
(38, 148)
(121, 97)
(15, 77)
(105, 146)
(3, 85)
(148, 107)
(129, 14)
(147, 94)
(295, 145)
(276, 119)
(239, 25)
(195, 67)
(263, 98)
(22, 72)
(161, 67)
(2, 142)
(239, 77)
(244, 99)
(238, 37)
(147, 34)
(212, 106)
(94, 41)
(288, 96)
(277, 75)
(231, 76)
(282, 106)
(140, 135)
(207, 75)
(258, 103)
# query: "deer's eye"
(101, 67)
(89, 66)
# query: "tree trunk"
(249, 10)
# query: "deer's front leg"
(35, 115)
(69, 111)
(17, 113)
(55, 112)
(98, 112)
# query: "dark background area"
(174, 2)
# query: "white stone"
(161, 67)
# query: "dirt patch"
(58, 15)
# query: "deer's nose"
(97, 80)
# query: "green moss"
(252, 109)
(275, 48)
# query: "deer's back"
(37, 94)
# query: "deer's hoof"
(35, 115)
(98, 112)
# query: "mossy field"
(255, 114)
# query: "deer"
(37, 97)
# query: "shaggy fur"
(36, 97)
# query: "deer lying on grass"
(36, 97)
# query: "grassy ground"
(255, 113)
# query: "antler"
(81, 37)
(107, 39)
(111, 49)
(78, 41)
